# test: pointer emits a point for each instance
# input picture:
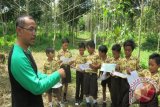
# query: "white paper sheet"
(66, 60)
(84, 66)
(132, 77)
(104, 76)
(108, 67)
(115, 73)
(58, 85)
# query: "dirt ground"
(5, 96)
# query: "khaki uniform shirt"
(66, 54)
(131, 63)
(50, 67)
(118, 62)
(79, 59)
(147, 74)
(93, 59)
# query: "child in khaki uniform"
(129, 63)
(80, 59)
(51, 65)
(65, 53)
(151, 73)
(90, 76)
(104, 59)
(116, 81)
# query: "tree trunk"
(140, 27)
(27, 7)
(158, 46)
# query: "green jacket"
(24, 74)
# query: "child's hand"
(70, 63)
(117, 68)
(112, 74)
(128, 69)
(91, 66)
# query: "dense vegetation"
(106, 21)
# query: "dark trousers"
(124, 93)
(90, 84)
(79, 86)
(153, 103)
(67, 70)
(116, 91)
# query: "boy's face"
(65, 46)
(81, 51)
(50, 55)
(115, 54)
(153, 67)
(90, 50)
(128, 51)
(101, 54)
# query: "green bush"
(150, 42)
(7, 41)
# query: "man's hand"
(62, 73)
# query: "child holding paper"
(107, 81)
(80, 59)
(151, 73)
(63, 54)
(115, 80)
(129, 63)
(49, 66)
(90, 77)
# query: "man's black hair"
(49, 49)
(156, 57)
(65, 40)
(116, 47)
(20, 22)
(81, 45)
(91, 44)
(103, 49)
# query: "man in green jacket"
(27, 83)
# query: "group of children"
(87, 81)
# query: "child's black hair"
(82, 45)
(103, 49)
(50, 49)
(116, 47)
(91, 44)
(130, 43)
(65, 40)
(156, 57)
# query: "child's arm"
(96, 65)
(45, 68)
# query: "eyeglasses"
(29, 29)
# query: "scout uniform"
(116, 85)
(66, 66)
(49, 68)
(90, 78)
(133, 64)
(156, 77)
(80, 59)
